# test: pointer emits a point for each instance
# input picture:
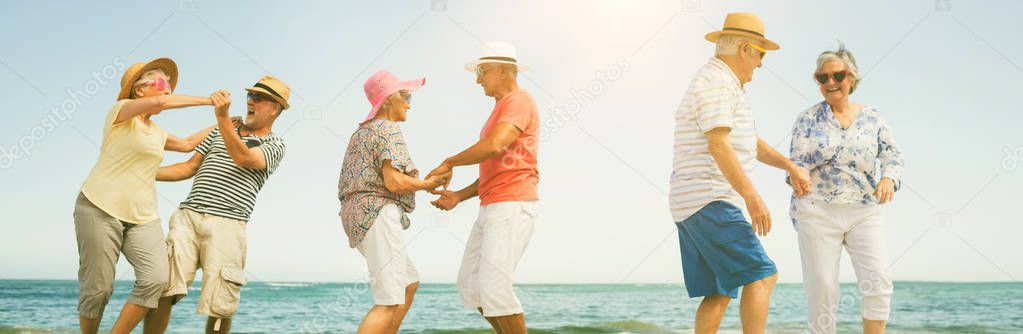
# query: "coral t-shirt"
(512, 175)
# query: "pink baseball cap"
(381, 85)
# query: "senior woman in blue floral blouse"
(855, 167)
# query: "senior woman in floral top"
(854, 166)
(377, 188)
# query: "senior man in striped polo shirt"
(716, 146)
(208, 229)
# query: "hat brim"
(471, 66)
(276, 98)
(168, 66)
(768, 44)
(411, 85)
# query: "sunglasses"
(763, 52)
(406, 95)
(257, 98)
(838, 76)
(480, 71)
(158, 83)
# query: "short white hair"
(843, 56)
(728, 45)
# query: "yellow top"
(123, 181)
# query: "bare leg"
(213, 328)
(754, 304)
(493, 323)
(379, 319)
(509, 324)
(399, 314)
(89, 326)
(157, 319)
(873, 326)
(710, 312)
(130, 317)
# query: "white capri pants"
(824, 228)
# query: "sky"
(607, 77)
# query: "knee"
(151, 288)
(413, 287)
(766, 282)
(91, 303)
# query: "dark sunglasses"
(823, 77)
(407, 96)
(256, 97)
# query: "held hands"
(221, 102)
(447, 201)
(885, 190)
(799, 179)
(443, 170)
(434, 181)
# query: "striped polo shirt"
(223, 189)
(715, 99)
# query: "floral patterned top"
(844, 164)
(361, 185)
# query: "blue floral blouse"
(845, 164)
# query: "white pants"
(824, 228)
(390, 268)
(497, 241)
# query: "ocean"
(49, 306)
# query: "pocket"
(225, 299)
(531, 208)
(726, 223)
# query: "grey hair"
(728, 45)
(843, 56)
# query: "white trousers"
(496, 243)
(824, 229)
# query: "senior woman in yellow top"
(854, 166)
(115, 211)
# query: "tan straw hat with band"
(136, 70)
(746, 25)
(274, 88)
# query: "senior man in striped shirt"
(208, 230)
(716, 146)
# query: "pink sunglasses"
(158, 83)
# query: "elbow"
(160, 102)
(495, 149)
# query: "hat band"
(744, 30)
(508, 59)
(268, 89)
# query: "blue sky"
(611, 73)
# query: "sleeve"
(714, 108)
(390, 145)
(112, 116)
(207, 143)
(273, 152)
(889, 154)
(801, 147)
(518, 112)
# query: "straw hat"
(274, 88)
(496, 52)
(136, 70)
(746, 25)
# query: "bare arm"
(155, 104)
(180, 171)
(495, 143)
(186, 144)
(449, 199)
(771, 157)
(724, 155)
(242, 155)
(397, 182)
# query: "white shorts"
(497, 241)
(390, 268)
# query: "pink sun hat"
(381, 85)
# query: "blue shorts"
(720, 252)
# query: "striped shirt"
(715, 99)
(223, 189)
